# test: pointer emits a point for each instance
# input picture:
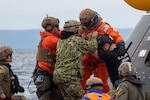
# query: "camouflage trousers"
(46, 89)
(71, 90)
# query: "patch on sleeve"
(119, 91)
(1, 70)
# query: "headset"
(126, 73)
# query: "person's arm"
(2, 72)
(122, 92)
(50, 43)
(85, 46)
(105, 55)
(118, 39)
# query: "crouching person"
(94, 86)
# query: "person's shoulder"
(121, 89)
(75, 38)
(123, 85)
(51, 38)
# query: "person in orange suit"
(97, 68)
(93, 66)
(92, 21)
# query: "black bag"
(15, 86)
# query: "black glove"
(99, 41)
(102, 39)
(6, 98)
(16, 86)
(121, 48)
(20, 89)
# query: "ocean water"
(23, 65)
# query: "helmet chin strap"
(130, 69)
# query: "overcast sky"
(28, 14)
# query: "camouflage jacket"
(69, 56)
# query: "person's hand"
(20, 89)
(81, 30)
(3, 97)
(121, 48)
(94, 34)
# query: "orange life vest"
(96, 95)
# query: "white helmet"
(93, 81)
(126, 69)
